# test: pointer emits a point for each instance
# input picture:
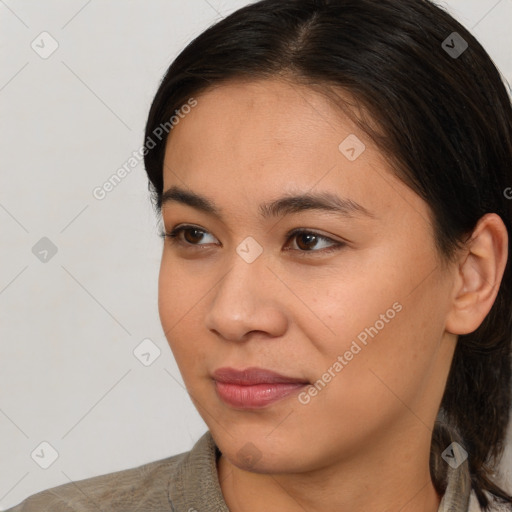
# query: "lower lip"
(255, 396)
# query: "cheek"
(385, 319)
(386, 360)
(179, 298)
(167, 293)
(352, 302)
(180, 290)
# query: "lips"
(254, 388)
(251, 376)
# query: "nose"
(246, 300)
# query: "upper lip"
(253, 375)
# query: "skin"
(363, 442)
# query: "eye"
(193, 233)
(306, 241)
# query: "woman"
(333, 179)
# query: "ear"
(480, 270)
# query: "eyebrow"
(285, 205)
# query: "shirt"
(187, 482)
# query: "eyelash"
(174, 239)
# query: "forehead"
(257, 139)
(247, 127)
(270, 111)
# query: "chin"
(263, 461)
(254, 451)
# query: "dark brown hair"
(441, 114)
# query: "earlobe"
(480, 271)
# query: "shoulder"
(142, 488)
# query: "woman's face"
(355, 307)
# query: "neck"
(371, 481)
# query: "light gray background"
(68, 327)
